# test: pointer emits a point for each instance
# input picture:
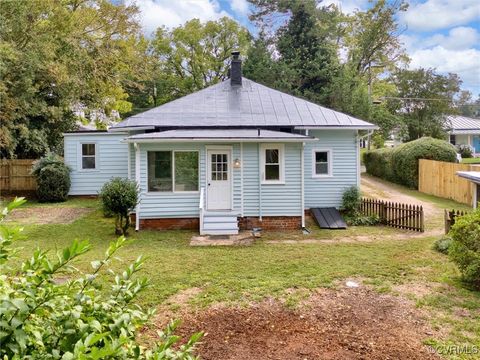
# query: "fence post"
(422, 222)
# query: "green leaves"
(44, 317)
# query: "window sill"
(322, 176)
(88, 170)
(273, 182)
(156, 193)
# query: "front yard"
(411, 285)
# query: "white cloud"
(239, 6)
(155, 13)
(465, 63)
(440, 14)
(458, 38)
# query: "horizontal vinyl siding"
(111, 161)
(276, 199)
(327, 192)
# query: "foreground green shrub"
(405, 158)
(53, 178)
(351, 201)
(378, 163)
(400, 164)
(465, 248)
(119, 197)
(443, 244)
(45, 317)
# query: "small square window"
(321, 163)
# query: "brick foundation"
(169, 224)
(271, 223)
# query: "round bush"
(405, 158)
(351, 201)
(465, 247)
(53, 179)
(465, 151)
(119, 197)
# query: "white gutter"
(137, 179)
(92, 133)
(338, 127)
(216, 140)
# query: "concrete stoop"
(243, 238)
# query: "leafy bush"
(465, 151)
(443, 244)
(361, 220)
(43, 317)
(400, 164)
(53, 178)
(465, 248)
(119, 197)
(378, 163)
(351, 201)
(405, 158)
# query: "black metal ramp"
(328, 218)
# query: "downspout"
(241, 179)
(129, 163)
(357, 153)
(302, 164)
(260, 185)
(137, 179)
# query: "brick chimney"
(236, 69)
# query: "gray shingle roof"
(221, 134)
(250, 105)
(462, 124)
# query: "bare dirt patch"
(48, 215)
(350, 323)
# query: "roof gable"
(249, 105)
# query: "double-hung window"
(172, 171)
(88, 156)
(272, 163)
(321, 163)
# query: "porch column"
(302, 166)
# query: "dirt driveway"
(379, 190)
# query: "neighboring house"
(234, 155)
(474, 177)
(464, 131)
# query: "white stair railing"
(201, 206)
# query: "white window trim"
(173, 174)
(281, 161)
(330, 163)
(80, 157)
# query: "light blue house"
(235, 155)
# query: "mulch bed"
(345, 324)
(47, 215)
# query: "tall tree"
(54, 56)
(423, 98)
(195, 55)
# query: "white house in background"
(234, 155)
(464, 131)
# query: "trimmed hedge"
(400, 164)
(378, 163)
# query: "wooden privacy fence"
(451, 216)
(15, 176)
(401, 216)
(440, 178)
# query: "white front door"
(219, 182)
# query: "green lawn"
(471, 161)
(245, 274)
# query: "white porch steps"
(219, 224)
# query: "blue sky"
(443, 34)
